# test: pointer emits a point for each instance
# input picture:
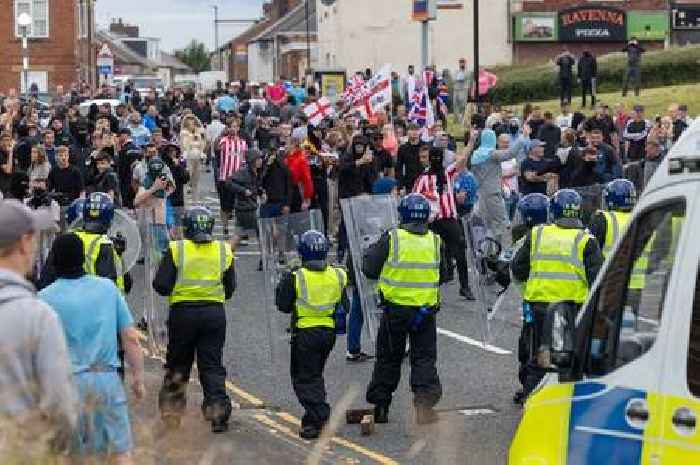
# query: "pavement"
(477, 416)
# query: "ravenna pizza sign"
(592, 24)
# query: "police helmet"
(199, 224)
(534, 209)
(620, 194)
(98, 212)
(74, 211)
(565, 204)
(414, 208)
(313, 246)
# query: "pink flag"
(276, 93)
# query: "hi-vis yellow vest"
(317, 295)
(557, 271)
(411, 274)
(92, 243)
(200, 269)
(641, 265)
(616, 225)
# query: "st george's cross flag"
(318, 110)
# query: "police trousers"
(310, 350)
(196, 331)
(395, 327)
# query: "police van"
(623, 386)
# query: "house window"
(39, 11)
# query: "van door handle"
(637, 413)
(684, 420)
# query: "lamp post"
(24, 21)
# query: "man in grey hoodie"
(485, 164)
(35, 384)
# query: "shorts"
(103, 424)
(271, 210)
(227, 198)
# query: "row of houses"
(351, 35)
(63, 44)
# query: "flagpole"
(477, 96)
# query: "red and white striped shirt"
(233, 153)
(442, 206)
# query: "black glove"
(119, 242)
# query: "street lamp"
(24, 20)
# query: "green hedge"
(517, 84)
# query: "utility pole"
(477, 97)
(216, 35)
(308, 38)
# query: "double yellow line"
(264, 418)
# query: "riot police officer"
(608, 225)
(198, 275)
(533, 210)
(102, 253)
(558, 263)
(410, 263)
(312, 295)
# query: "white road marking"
(474, 412)
(474, 342)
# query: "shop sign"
(592, 24)
(535, 27)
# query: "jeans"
(355, 323)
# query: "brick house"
(542, 27)
(60, 46)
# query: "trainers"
(359, 357)
(426, 416)
(309, 432)
(466, 293)
(219, 426)
(381, 414)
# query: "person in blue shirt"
(149, 119)
(93, 313)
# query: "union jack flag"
(421, 111)
(353, 89)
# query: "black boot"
(381, 414)
(219, 426)
(310, 432)
(426, 416)
(466, 293)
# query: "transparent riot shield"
(278, 246)
(155, 307)
(366, 219)
(591, 201)
(482, 252)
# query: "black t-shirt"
(540, 167)
(67, 181)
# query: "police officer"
(558, 263)
(198, 275)
(102, 253)
(608, 225)
(534, 211)
(312, 295)
(410, 263)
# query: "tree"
(195, 55)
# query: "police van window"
(694, 345)
(629, 304)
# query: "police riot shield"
(483, 252)
(278, 247)
(591, 201)
(155, 307)
(366, 219)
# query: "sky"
(177, 22)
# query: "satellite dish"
(122, 226)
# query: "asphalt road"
(477, 416)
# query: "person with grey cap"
(635, 134)
(536, 170)
(35, 383)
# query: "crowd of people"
(267, 160)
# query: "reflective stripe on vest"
(200, 270)
(317, 295)
(557, 271)
(91, 247)
(616, 224)
(411, 274)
